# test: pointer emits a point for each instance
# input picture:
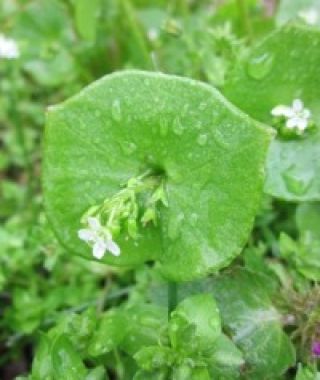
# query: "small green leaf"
(109, 334)
(202, 312)
(66, 362)
(181, 126)
(305, 373)
(98, 373)
(304, 253)
(185, 372)
(146, 375)
(145, 324)
(182, 335)
(283, 67)
(255, 325)
(225, 359)
(154, 357)
(42, 366)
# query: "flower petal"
(281, 111)
(113, 248)
(86, 235)
(297, 105)
(293, 122)
(99, 249)
(94, 223)
(302, 124)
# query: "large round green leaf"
(212, 156)
(285, 66)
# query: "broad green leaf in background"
(254, 324)
(132, 121)
(304, 253)
(281, 68)
(303, 9)
(308, 219)
(86, 15)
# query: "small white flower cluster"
(99, 238)
(297, 117)
(8, 48)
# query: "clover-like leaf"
(283, 67)
(255, 325)
(210, 154)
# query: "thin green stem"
(172, 296)
(245, 18)
(137, 36)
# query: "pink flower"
(316, 348)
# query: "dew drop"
(202, 106)
(260, 66)
(194, 218)
(128, 148)
(202, 139)
(297, 182)
(177, 127)
(116, 110)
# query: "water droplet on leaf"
(259, 66)
(128, 147)
(178, 127)
(116, 110)
(202, 139)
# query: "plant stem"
(138, 40)
(245, 19)
(172, 296)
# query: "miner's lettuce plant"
(180, 236)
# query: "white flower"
(8, 48)
(99, 238)
(310, 16)
(297, 116)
